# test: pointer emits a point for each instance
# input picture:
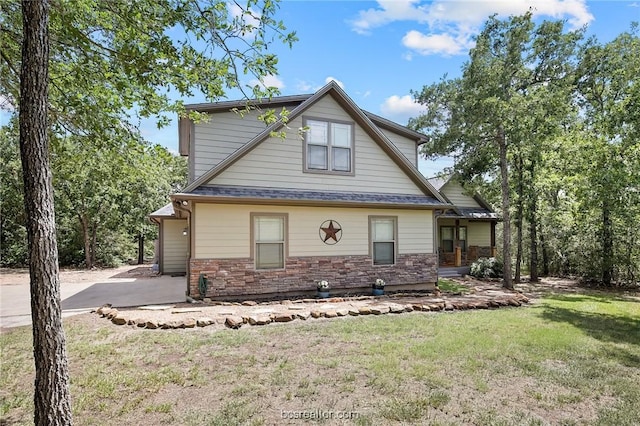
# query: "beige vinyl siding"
(277, 163)
(218, 138)
(479, 234)
(223, 231)
(174, 246)
(455, 193)
(405, 145)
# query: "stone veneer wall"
(236, 277)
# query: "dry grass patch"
(570, 359)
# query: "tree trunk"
(533, 231)
(607, 244)
(506, 224)
(533, 225)
(52, 400)
(545, 254)
(84, 224)
(140, 248)
(94, 243)
(519, 214)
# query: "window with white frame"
(328, 146)
(383, 235)
(269, 239)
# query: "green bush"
(486, 267)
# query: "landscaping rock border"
(237, 314)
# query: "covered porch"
(462, 241)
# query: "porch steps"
(453, 272)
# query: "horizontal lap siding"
(174, 246)
(455, 193)
(406, 146)
(223, 134)
(277, 163)
(223, 231)
(479, 234)
(415, 232)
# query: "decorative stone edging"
(295, 310)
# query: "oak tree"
(105, 66)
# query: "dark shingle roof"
(472, 213)
(240, 192)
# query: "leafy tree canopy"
(113, 62)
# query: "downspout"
(185, 206)
(436, 214)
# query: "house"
(467, 230)
(268, 214)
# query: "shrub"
(486, 267)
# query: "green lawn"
(569, 359)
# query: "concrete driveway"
(83, 291)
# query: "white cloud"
(401, 108)
(310, 87)
(268, 81)
(391, 10)
(251, 20)
(447, 27)
(443, 44)
(338, 82)
(304, 86)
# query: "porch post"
(457, 249)
(493, 239)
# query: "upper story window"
(328, 146)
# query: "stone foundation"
(230, 278)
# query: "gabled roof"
(165, 211)
(331, 89)
(485, 211)
(395, 127)
(279, 101)
(439, 181)
(229, 105)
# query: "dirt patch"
(20, 276)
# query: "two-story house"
(342, 201)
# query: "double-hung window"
(384, 240)
(448, 238)
(269, 239)
(328, 146)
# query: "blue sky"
(379, 51)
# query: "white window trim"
(328, 170)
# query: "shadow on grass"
(590, 296)
(599, 325)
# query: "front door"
(450, 238)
